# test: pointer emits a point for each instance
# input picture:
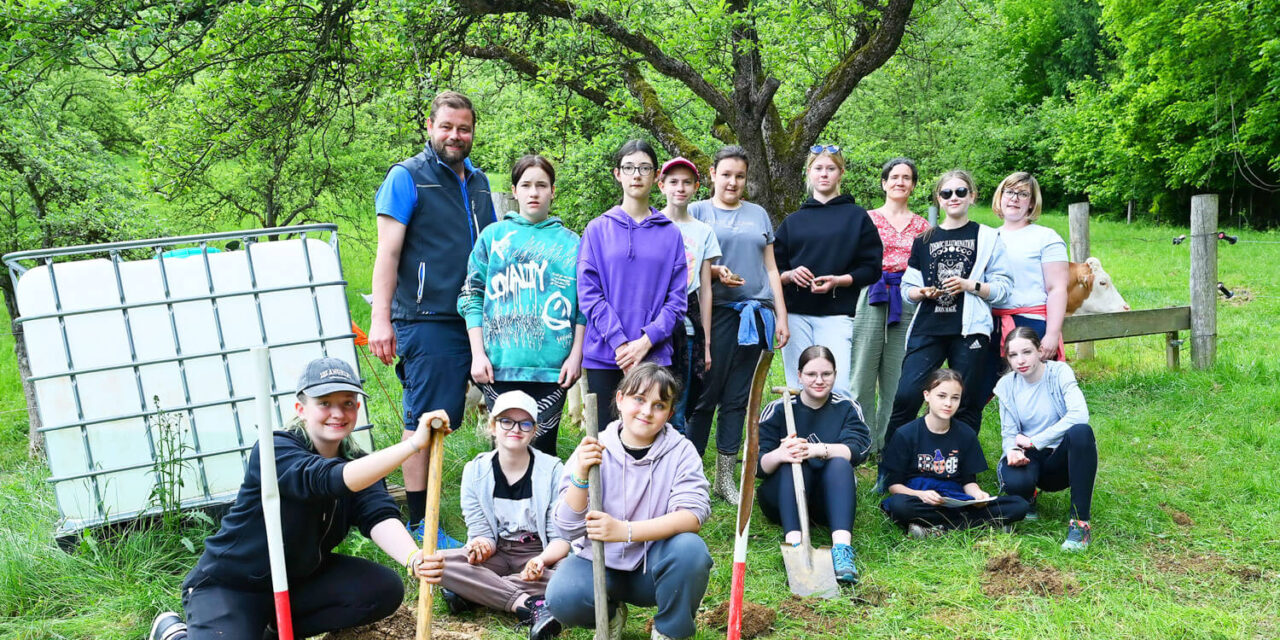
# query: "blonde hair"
(297, 426)
(1014, 179)
(955, 174)
(836, 157)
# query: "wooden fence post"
(933, 215)
(1204, 278)
(503, 202)
(1078, 224)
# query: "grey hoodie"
(667, 478)
(477, 495)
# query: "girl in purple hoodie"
(631, 279)
(655, 502)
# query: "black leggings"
(345, 592)
(904, 510)
(925, 353)
(728, 384)
(603, 383)
(830, 493)
(1072, 464)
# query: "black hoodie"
(316, 511)
(832, 238)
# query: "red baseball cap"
(680, 161)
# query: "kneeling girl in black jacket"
(831, 439)
(327, 485)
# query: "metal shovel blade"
(809, 571)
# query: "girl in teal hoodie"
(520, 302)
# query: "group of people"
(665, 313)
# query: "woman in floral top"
(880, 324)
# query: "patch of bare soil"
(756, 619)
(869, 595)
(1179, 517)
(403, 625)
(1201, 564)
(1007, 575)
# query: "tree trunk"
(35, 443)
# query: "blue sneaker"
(1032, 514)
(842, 557)
(443, 540)
(1079, 535)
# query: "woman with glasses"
(827, 251)
(631, 280)
(748, 315)
(830, 441)
(508, 496)
(520, 302)
(1037, 262)
(955, 272)
(880, 325)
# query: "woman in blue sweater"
(1044, 427)
(327, 485)
(831, 439)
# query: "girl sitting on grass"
(831, 439)
(655, 501)
(932, 460)
(507, 496)
(327, 485)
(1044, 425)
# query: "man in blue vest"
(430, 208)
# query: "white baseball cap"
(515, 400)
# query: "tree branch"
(655, 118)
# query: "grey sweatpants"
(877, 363)
(495, 583)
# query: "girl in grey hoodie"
(655, 501)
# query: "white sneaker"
(658, 635)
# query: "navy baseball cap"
(324, 376)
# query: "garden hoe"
(431, 527)
(747, 491)
(809, 571)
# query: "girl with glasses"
(631, 279)
(1037, 259)
(831, 439)
(955, 272)
(880, 324)
(520, 302)
(512, 542)
(827, 251)
(749, 312)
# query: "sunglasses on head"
(829, 148)
(961, 192)
(508, 424)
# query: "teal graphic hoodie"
(521, 288)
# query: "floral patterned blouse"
(897, 244)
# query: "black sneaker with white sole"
(542, 625)
(456, 603)
(168, 626)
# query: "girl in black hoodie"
(826, 253)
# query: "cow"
(1090, 290)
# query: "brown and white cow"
(1090, 290)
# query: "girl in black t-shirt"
(932, 462)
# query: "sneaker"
(443, 540)
(842, 557)
(1079, 535)
(456, 603)
(168, 626)
(1031, 508)
(658, 635)
(880, 488)
(920, 532)
(543, 625)
(618, 620)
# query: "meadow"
(1186, 529)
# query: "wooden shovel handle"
(431, 524)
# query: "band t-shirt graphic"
(954, 456)
(948, 253)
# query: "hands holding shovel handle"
(435, 454)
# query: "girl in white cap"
(507, 496)
(327, 485)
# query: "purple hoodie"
(667, 478)
(631, 280)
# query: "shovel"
(809, 571)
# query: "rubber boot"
(726, 485)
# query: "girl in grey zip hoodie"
(655, 501)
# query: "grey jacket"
(477, 495)
(1068, 403)
(989, 267)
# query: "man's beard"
(451, 155)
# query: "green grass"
(1201, 443)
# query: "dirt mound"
(1007, 575)
(1179, 517)
(403, 624)
(756, 619)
